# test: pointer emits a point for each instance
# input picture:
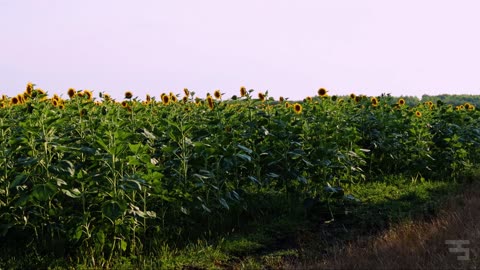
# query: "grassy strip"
(419, 244)
(300, 237)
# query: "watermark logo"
(458, 246)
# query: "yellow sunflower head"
(165, 99)
(374, 101)
(281, 99)
(41, 92)
(261, 96)
(185, 99)
(14, 100)
(217, 94)
(418, 114)
(187, 93)
(148, 98)
(124, 104)
(297, 108)
(210, 102)
(29, 88)
(352, 96)
(243, 91)
(401, 101)
(128, 95)
(88, 94)
(71, 92)
(322, 92)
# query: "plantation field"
(92, 180)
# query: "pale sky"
(290, 48)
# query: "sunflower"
(54, 102)
(217, 94)
(467, 105)
(185, 99)
(165, 99)
(471, 108)
(29, 88)
(401, 102)
(418, 114)
(128, 95)
(243, 91)
(210, 102)
(71, 92)
(374, 101)
(287, 105)
(281, 99)
(352, 96)
(40, 91)
(173, 97)
(20, 98)
(261, 96)
(187, 93)
(148, 98)
(107, 97)
(309, 99)
(322, 92)
(88, 94)
(124, 104)
(14, 100)
(358, 99)
(297, 108)
(80, 94)
(61, 106)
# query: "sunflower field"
(98, 179)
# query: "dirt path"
(418, 245)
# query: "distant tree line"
(445, 98)
(454, 99)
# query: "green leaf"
(134, 147)
(148, 134)
(78, 233)
(43, 192)
(184, 210)
(112, 210)
(244, 157)
(63, 167)
(246, 149)
(102, 144)
(253, 179)
(19, 180)
(224, 203)
(74, 193)
(123, 245)
(27, 161)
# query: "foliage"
(99, 179)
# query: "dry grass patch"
(416, 245)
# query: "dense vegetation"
(97, 180)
